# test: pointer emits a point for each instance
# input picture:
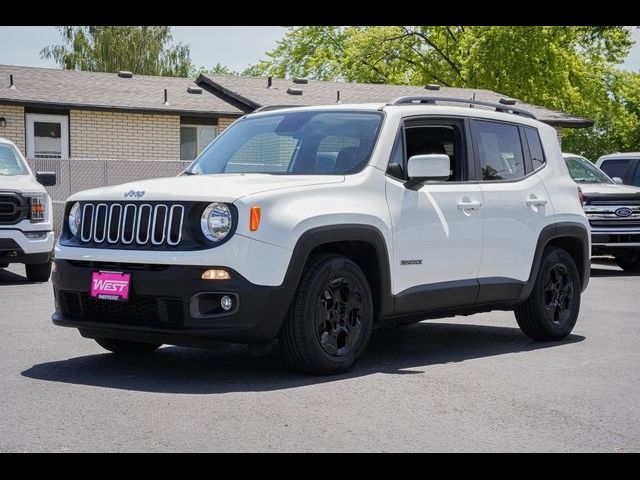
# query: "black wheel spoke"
(558, 294)
(338, 316)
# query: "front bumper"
(15, 247)
(165, 305)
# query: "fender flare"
(350, 232)
(555, 231)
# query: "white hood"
(608, 189)
(226, 187)
(20, 183)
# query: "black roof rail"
(500, 107)
(268, 108)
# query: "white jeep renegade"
(26, 226)
(314, 225)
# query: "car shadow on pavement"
(10, 278)
(230, 368)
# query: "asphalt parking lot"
(463, 384)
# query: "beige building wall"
(14, 131)
(224, 122)
(559, 133)
(124, 136)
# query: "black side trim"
(436, 296)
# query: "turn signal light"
(254, 218)
(215, 274)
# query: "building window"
(47, 136)
(194, 139)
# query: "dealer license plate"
(110, 286)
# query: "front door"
(437, 226)
(47, 136)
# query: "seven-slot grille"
(131, 223)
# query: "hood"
(225, 187)
(20, 183)
(599, 189)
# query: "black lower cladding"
(165, 303)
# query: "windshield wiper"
(189, 173)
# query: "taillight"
(581, 197)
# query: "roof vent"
(11, 84)
(166, 98)
(294, 91)
(507, 101)
(196, 90)
(338, 97)
(269, 82)
(432, 86)
(125, 74)
(300, 80)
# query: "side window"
(443, 139)
(615, 168)
(499, 150)
(535, 147)
(636, 177)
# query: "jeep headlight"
(216, 221)
(74, 218)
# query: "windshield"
(10, 161)
(293, 143)
(583, 171)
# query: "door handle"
(469, 205)
(534, 201)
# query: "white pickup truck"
(26, 227)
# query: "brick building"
(52, 113)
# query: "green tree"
(571, 68)
(142, 50)
(217, 69)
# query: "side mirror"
(422, 168)
(47, 179)
(617, 180)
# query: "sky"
(235, 47)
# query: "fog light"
(226, 303)
(216, 275)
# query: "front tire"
(330, 322)
(551, 311)
(38, 272)
(126, 346)
(629, 262)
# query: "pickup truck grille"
(130, 224)
(13, 208)
(614, 220)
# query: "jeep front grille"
(157, 224)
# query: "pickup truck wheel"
(551, 310)
(330, 321)
(38, 272)
(126, 346)
(629, 262)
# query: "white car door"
(516, 204)
(437, 230)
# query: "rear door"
(509, 159)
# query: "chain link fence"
(76, 174)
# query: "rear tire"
(126, 346)
(38, 272)
(551, 311)
(629, 262)
(330, 321)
